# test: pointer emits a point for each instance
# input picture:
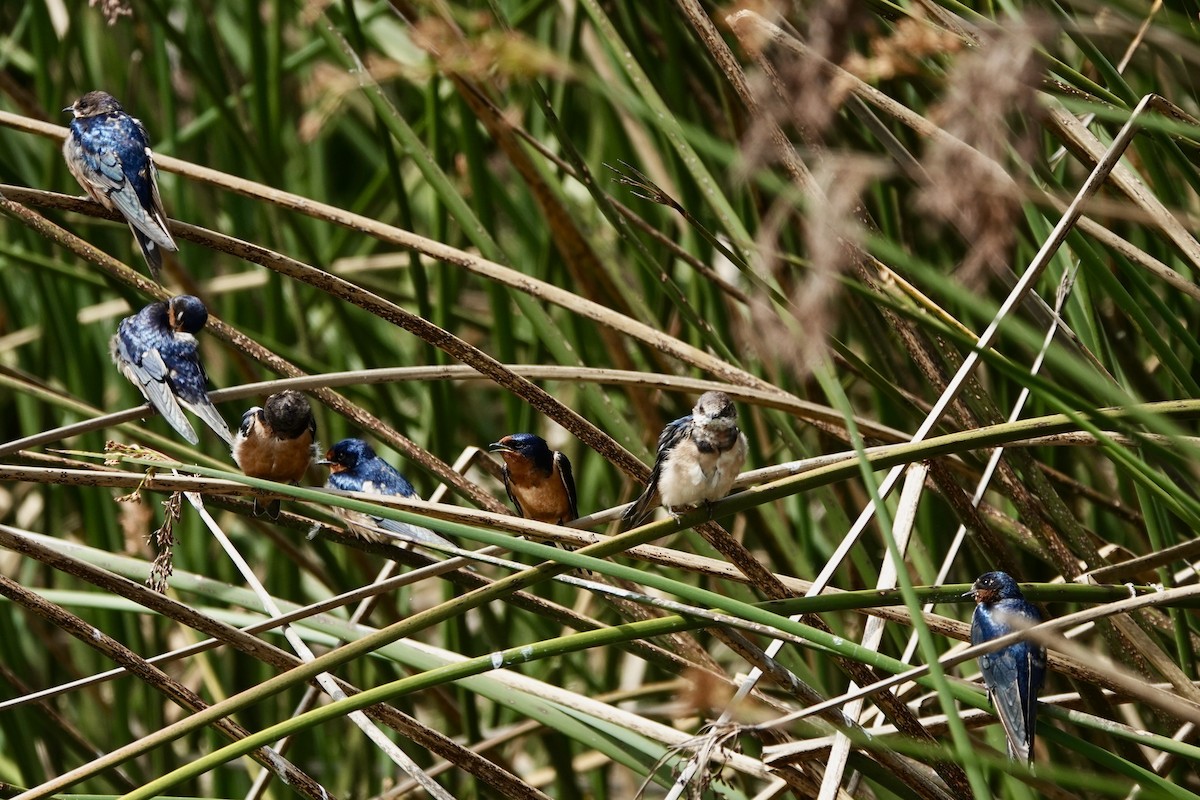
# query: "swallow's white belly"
(690, 477)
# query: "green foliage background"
(817, 207)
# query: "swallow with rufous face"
(538, 480)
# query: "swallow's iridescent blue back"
(148, 330)
(116, 146)
(108, 153)
(1013, 675)
(354, 467)
(164, 363)
(365, 469)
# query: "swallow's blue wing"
(143, 366)
(247, 422)
(391, 481)
(206, 411)
(508, 488)
(1006, 674)
(190, 384)
(671, 436)
(119, 167)
(91, 153)
(381, 481)
(137, 194)
(1013, 675)
(414, 532)
(563, 464)
(388, 479)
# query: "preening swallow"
(1014, 674)
(354, 467)
(156, 350)
(277, 442)
(108, 152)
(699, 457)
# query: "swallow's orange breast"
(283, 460)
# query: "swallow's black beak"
(499, 447)
(969, 594)
(324, 462)
(69, 109)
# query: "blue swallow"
(1014, 674)
(354, 467)
(699, 457)
(277, 442)
(109, 154)
(156, 350)
(538, 480)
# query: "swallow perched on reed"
(354, 467)
(108, 152)
(156, 350)
(277, 442)
(538, 480)
(699, 457)
(1014, 674)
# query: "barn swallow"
(354, 467)
(538, 480)
(156, 350)
(699, 457)
(277, 442)
(1014, 674)
(108, 152)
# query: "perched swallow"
(109, 154)
(277, 442)
(538, 480)
(698, 459)
(156, 350)
(354, 467)
(1014, 674)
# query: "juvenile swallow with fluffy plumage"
(699, 457)
(538, 480)
(354, 467)
(276, 442)
(156, 350)
(1014, 674)
(108, 152)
